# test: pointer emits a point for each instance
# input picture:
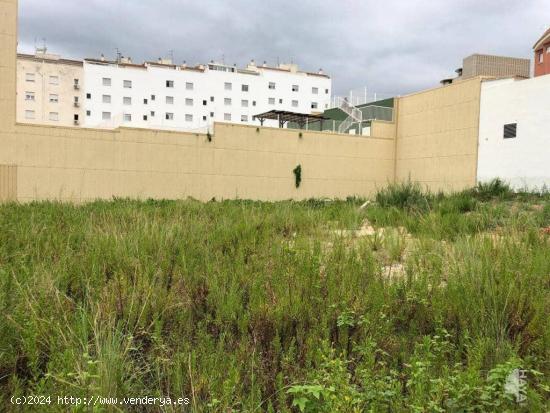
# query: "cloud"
(390, 47)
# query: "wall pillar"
(8, 53)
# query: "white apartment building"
(49, 89)
(514, 137)
(167, 96)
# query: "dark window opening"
(510, 130)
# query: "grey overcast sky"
(390, 46)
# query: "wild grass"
(260, 307)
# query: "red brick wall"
(544, 67)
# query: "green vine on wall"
(297, 175)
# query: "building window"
(106, 115)
(189, 86)
(127, 117)
(244, 88)
(29, 96)
(127, 84)
(253, 103)
(271, 85)
(152, 113)
(548, 50)
(326, 91)
(541, 57)
(314, 105)
(211, 114)
(145, 117)
(145, 101)
(510, 130)
(281, 101)
(29, 114)
(153, 97)
(29, 77)
(88, 95)
(315, 90)
(169, 83)
(54, 116)
(169, 100)
(188, 102)
(294, 103)
(106, 81)
(295, 88)
(204, 117)
(271, 101)
(188, 117)
(106, 98)
(227, 101)
(244, 118)
(88, 113)
(54, 80)
(204, 102)
(75, 118)
(228, 86)
(244, 103)
(211, 98)
(76, 100)
(169, 116)
(227, 116)
(126, 100)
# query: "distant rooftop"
(251, 68)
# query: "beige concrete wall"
(240, 162)
(8, 44)
(383, 129)
(8, 183)
(43, 89)
(437, 135)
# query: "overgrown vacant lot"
(412, 303)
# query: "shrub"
(406, 195)
(492, 189)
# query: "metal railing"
(358, 97)
(346, 124)
(377, 113)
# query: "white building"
(514, 136)
(163, 95)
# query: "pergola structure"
(283, 116)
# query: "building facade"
(514, 138)
(542, 54)
(161, 95)
(49, 89)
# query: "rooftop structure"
(491, 66)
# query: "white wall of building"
(523, 161)
(198, 107)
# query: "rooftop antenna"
(171, 54)
(118, 55)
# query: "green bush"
(407, 195)
(492, 189)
